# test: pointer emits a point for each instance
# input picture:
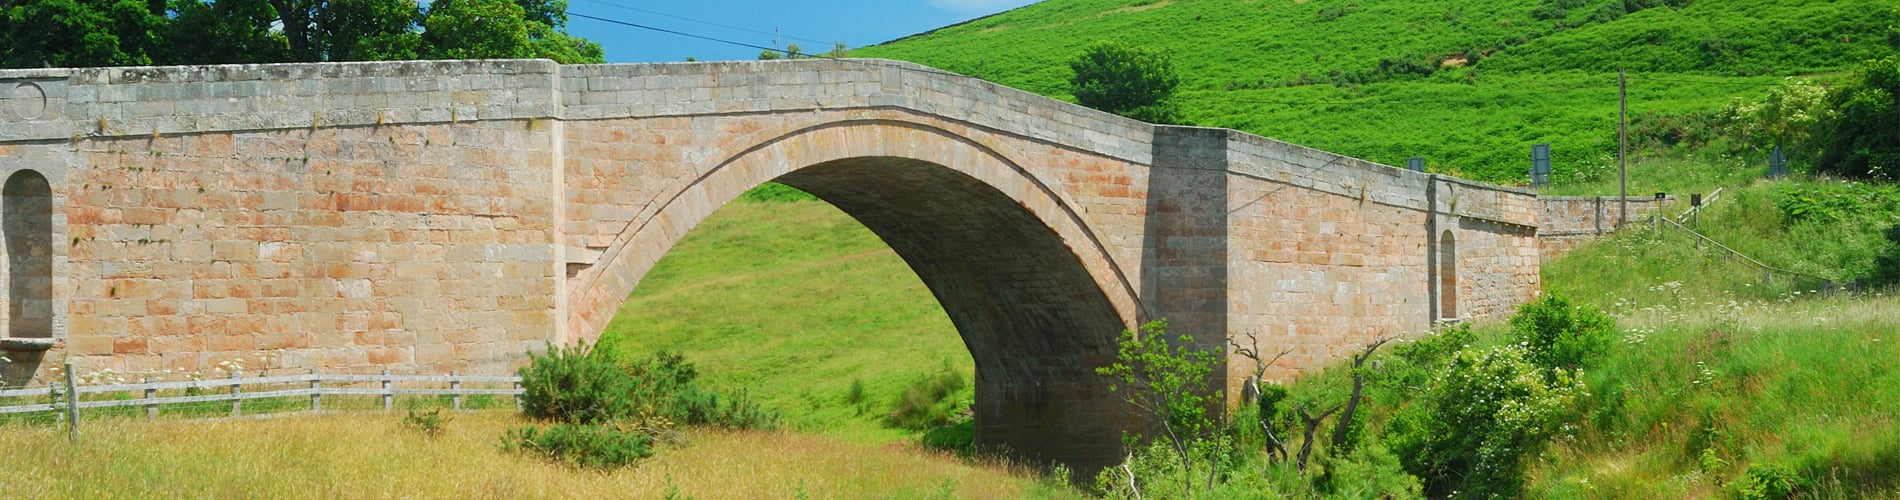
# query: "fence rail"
(1768, 272)
(69, 397)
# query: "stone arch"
(27, 203)
(1447, 276)
(1032, 292)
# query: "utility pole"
(1622, 148)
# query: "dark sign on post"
(1540, 165)
(1417, 164)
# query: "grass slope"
(372, 456)
(1371, 78)
(792, 301)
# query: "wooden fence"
(70, 399)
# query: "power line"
(702, 21)
(1368, 101)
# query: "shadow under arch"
(1009, 266)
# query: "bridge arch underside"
(1032, 302)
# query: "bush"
(1126, 81)
(1559, 334)
(1767, 481)
(596, 446)
(1887, 265)
(927, 403)
(666, 385)
(1860, 138)
(575, 385)
(1470, 432)
(430, 423)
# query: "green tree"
(80, 33)
(1126, 81)
(226, 31)
(1861, 137)
(475, 29)
(1169, 380)
(67, 33)
(368, 30)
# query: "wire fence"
(237, 396)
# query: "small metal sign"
(1417, 164)
(1777, 163)
(1540, 165)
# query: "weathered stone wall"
(1566, 222)
(434, 216)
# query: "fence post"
(455, 386)
(72, 403)
(151, 409)
(316, 391)
(237, 405)
(518, 393)
(389, 394)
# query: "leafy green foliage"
(1887, 265)
(605, 414)
(576, 385)
(1483, 416)
(1834, 203)
(1861, 137)
(929, 401)
(1168, 380)
(592, 446)
(666, 385)
(1560, 334)
(133, 32)
(1124, 80)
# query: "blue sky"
(813, 25)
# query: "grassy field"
(1694, 396)
(793, 302)
(367, 455)
(1469, 85)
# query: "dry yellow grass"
(367, 455)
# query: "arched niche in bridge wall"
(1032, 293)
(1447, 276)
(27, 204)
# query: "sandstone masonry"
(436, 216)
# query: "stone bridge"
(437, 216)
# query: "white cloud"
(978, 7)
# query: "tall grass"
(1690, 400)
(373, 456)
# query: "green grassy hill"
(793, 301)
(1469, 85)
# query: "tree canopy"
(1127, 81)
(81, 33)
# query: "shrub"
(1768, 481)
(666, 385)
(1860, 138)
(1560, 334)
(1126, 81)
(596, 446)
(1470, 432)
(927, 403)
(575, 385)
(1887, 265)
(430, 423)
